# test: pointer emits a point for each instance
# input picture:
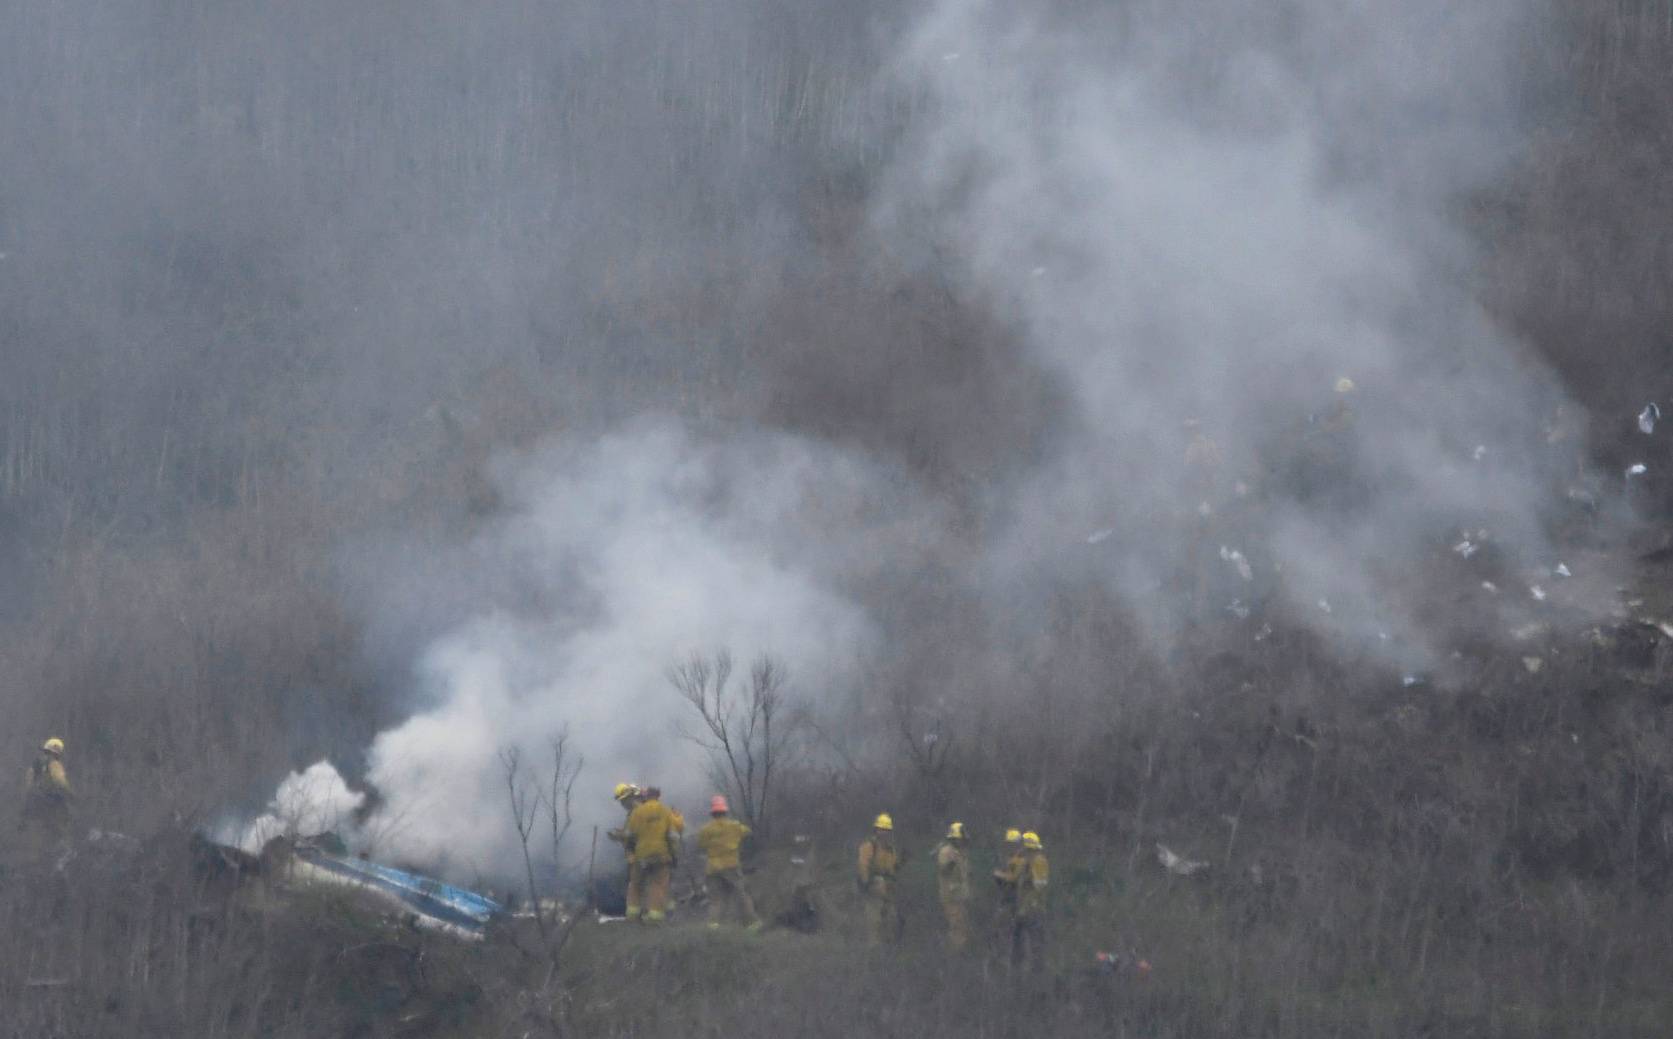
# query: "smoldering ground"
(918, 300)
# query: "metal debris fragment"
(1466, 548)
(1490, 586)
(1648, 417)
(1563, 570)
(1178, 864)
(1537, 592)
(1660, 625)
(1479, 453)
(1534, 665)
(1637, 469)
(1236, 558)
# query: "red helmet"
(717, 805)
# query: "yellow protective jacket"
(1027, 874)
(1032, 880)
(619, 835)
(719, 839)
(48, 779)
(952, 872)
(47, 794)
(878, 858)
(648, 828)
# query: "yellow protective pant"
(647, 889)
(883, 923)
(634, 883)
(728, 898)
(957, 913)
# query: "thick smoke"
(614, 560)
(313, 801)
(1213, 214)
(891, 340)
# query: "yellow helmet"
(625, 791)
(1013, 836)
(955, 832)
(1031, 841)
(1345, 385)
(53, 746)
(883, 822)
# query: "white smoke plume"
(1231, 232)
(1218, 213)
(619, 558)
(313, 801)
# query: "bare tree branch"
(747, 735)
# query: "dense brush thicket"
(202, 430)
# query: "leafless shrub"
(749, 735)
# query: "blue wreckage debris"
(428, 902)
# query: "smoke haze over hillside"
(562, 340)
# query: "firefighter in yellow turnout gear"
(1005, 908)
(719, 840)
(879, 864)
(47, 797)
(1029, 873)
(952, 880)
(627, 795)
(650, 834)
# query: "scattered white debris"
(1526, 632)
(1490, 587)
(1238, 609)
(1177, 865)
(1648, 417)
(1660, 625)
(1263, 634)
(1537, 592)
(1533, 664)
(1637, 469)
(1324, 604)
(1409, 680)
(1382, 636)
(1099, 535)
(1466, 548)
(1479, 453)
(1236, 558)
(1563, 570)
